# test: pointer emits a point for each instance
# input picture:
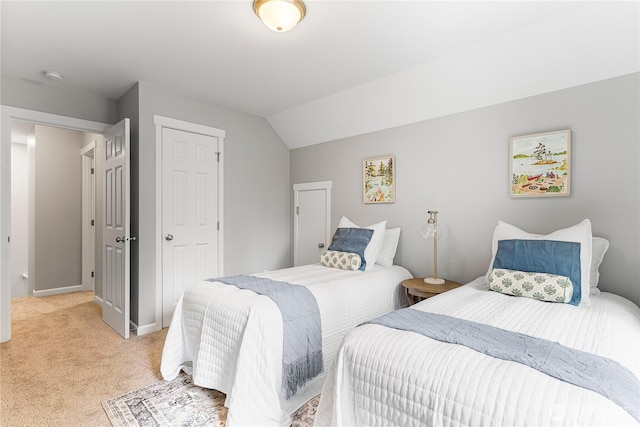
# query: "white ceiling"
(348, 68)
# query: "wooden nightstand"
(416, 290)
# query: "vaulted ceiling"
(350, 67)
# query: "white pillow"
(580, 233)
(389, 246)
(375, 244)
(599, 247)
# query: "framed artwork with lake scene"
(540, 164)
(379, 179)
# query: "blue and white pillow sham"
(540, 286)
(343, 260)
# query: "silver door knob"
(119, 239)
(320, 245)
(168, 237)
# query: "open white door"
(116, 239)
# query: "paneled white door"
(312, 221)
(189, 213)
(116, 224)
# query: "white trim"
(170, 123)
(146, 329)
(167, 122)
(311, 186)
(7, 114)
(87, 149)
(305, 186)
(38, 117)
(88, 214)
(57, 291)
(98, 300)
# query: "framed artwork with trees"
(379, 179)
(540, 164)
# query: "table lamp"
(431, 230)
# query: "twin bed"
(388, 377)
(397, 377)
(231, 340)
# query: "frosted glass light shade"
(279, 15)
(430, 231)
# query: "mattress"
(383, 376)
(230, 339)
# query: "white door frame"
(309, 186)
(167, 122)
(88, 215)
(7, 114)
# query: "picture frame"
(379, 180)
(540, 164)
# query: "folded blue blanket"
(301, 328)
(590, 371)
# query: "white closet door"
(312, 221)
(189, 213)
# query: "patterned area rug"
(181, 403)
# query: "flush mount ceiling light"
(52, 75)
(279, 15)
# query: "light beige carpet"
(63, 362)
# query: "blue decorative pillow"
(353, 240)
(542, 256)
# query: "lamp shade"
(430, 231)
(279, 15)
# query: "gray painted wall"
(257, 192)
(33, 95)
(459, 165)
(58, 208)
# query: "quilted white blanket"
(384, 376)
(230, 339)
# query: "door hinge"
(93, 274)
(218, 225)
(93, 222)
(218, 154)
(93, 171)
(297, 210)
(8, 239)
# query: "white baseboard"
(56, 291)
(146, 329)
(98, 300)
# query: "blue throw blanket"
(597, 373)
(301, 328)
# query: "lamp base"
(434, 281)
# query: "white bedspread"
(386, 377)
(231, 339)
